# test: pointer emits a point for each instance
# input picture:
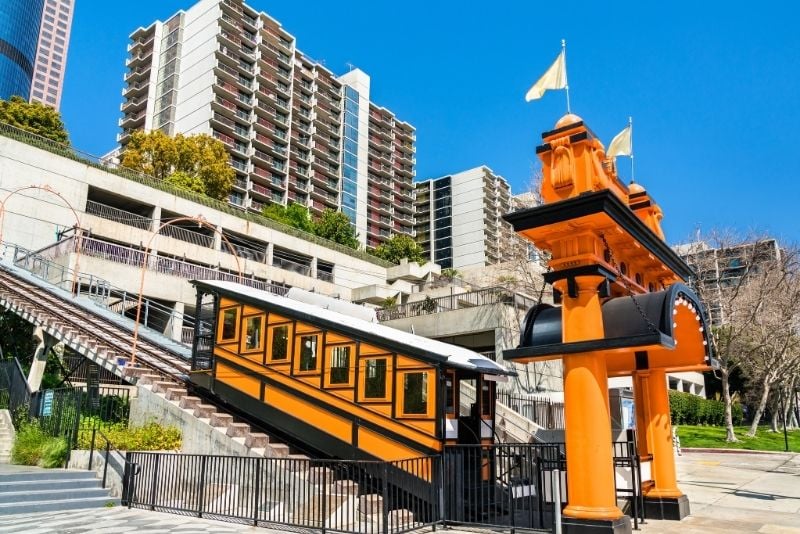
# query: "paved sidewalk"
(729, 492)
(736, 492)
(117, 520)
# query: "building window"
(308, 353)
(375, 378)
(230, 320)
(415, 393)
(339, 357)
(279, 342)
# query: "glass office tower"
(20, 21)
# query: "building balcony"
(404, 206)
(133, 120)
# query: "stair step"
(51, 495)
(38, 485)
(46, 474)
(55, 506)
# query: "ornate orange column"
(663, 500)
(592, 499)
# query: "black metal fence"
(505, 486)
(61, 412)
(502, 486)
(344, 496)
(15, 395)
(546, 413)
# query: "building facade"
(459, 219)
(19, 33)
(295, 131)
(51, 52)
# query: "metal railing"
(155, 315)
(368, 497)
(128, 256)
(118, 215)
(544, 412)
(483, 297)
(289, 265)
(189, 236)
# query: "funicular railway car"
(342, 385)
(324, 374)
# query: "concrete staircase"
(28, 489)
(7, 435)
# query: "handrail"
(108, 448)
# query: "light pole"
(46, 188)
(201, 221)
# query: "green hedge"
(150, 437)
(688, 409)
(33, 446)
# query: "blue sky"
(713, 90)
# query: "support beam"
(663, 499)
(45, 343)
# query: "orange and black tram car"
(324, 374)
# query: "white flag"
(621, 145)
(554, 78)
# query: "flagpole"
(630, 125)
(566, 86)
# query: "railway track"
(116, 340)
(50, 309)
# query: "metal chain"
(627, 286)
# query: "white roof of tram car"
(325, 308)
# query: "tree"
(398, 247)
(771, 338)
(16, 337)
(294, 215)
(336, 226)
(196, 162)
(734, 282)
(186, 181)
(34, 117)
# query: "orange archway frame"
(48, 189)
(623, 312)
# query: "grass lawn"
(714, 437)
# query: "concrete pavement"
(736, 492)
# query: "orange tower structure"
(624, 311)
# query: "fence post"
(91, 448)
(323, 497)
(154, 481)
(385, 499)
(557, 501)
(201, 481)
(105, 467)
(257, 491)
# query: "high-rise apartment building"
(295, 131)
(459, 219)
(51, 52)
(721, 270)
(19, 32)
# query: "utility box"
(622, 411)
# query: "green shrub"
(688, 409)
(150, 437)
(54, 453)
(28, 444)
(33, 447)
